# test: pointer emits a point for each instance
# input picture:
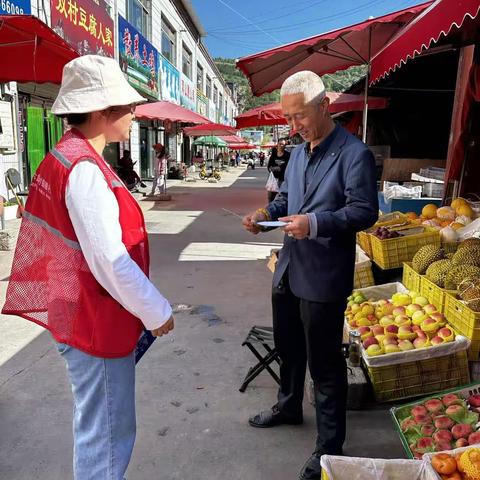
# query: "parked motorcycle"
(211, 172)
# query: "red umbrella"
(164, 110)
(31, 51)
(209, 129)
(232, 139)
(442, 18)
(325, 53)
(271, 114)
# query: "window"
(208, 87)
(220, 103)
(138, 12)
(200, 77)
(226, 108)
(215, 95)
(168, 41)
(187, 62)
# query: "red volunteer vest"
(51, 283)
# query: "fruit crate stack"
(392, 251)
(408, 348)
(394, 218)
(440, 422)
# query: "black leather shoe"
(272, 418)
(312, 469)
(143, 185)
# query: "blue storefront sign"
(15, 7)
(138, 58)
(170, 81)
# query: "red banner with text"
(85, 24)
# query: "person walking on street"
(160, 169)
(81, 265)
(329, 193)
(277, 164)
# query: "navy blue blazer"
(343, 197)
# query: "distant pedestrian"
(160, 169)
(277, 164)
(81, 265)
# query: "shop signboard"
(202, 104)
(187, 93)
(170, 81)
(138, 58)
(7, 141)
(85, 24)
(15, 7)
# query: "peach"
(422, 301)
(365, 332)
(378, 330)
(372, 318)
(374, 350)
(427, 430)
(450, 399)
(474, 400)
(430, 308)
(398, 311)
(436, 340)
(474, 438)
(418, 317)
(387, 320)
(447, 334)
(442, 446)
(402, 320)
(443, 422)
(443, 435)
(461, 430)
(424, 443)
(391, 348)
(463, 442)
(419, 410)
(369, 341)
(390, 340)
(421, 342)
(392, 329)
(412, 308)
(407, 423)
(364, 322)
(405, 345)
(380, 338)
(434, 405)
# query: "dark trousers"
(312, 331)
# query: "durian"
(458, 274)
(426, 256)
(469, 255)
(438, 270)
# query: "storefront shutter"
(35, 138)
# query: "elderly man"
(328, 195)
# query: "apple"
(405, 345)
(398, 311)
(430, 308)
(422, 301)
(413, 307)
(436, 340)
(374, 350)
(419, 316)
(369, 341)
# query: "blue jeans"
(104, 423)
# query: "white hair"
(306, 82)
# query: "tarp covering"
(325, 53)
(31, 51)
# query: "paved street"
(192, 420)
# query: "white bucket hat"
(92, 83)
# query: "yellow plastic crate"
(465, 321)
(413, 379)
(363, 276)
(410, 278)
(363, 239)
(433, 293)
(391, 253)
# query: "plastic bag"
(272, 183)
(393, 190)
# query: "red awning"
(210, 128)
(232, 139)
(325, 53)
(271, 114)
(442, 18)
(31, 51)
(164, 110)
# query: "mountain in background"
(337, 82)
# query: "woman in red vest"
(81, 265)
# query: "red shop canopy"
(439, 20)
(271, 114)
(325, 53)
(232, 140)
(31, 51)
(164, 110)
(210, 128)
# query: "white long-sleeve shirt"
(94, 213)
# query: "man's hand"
(164, 329)
(249, 221)
(298, 226)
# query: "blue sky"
(236, 28)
